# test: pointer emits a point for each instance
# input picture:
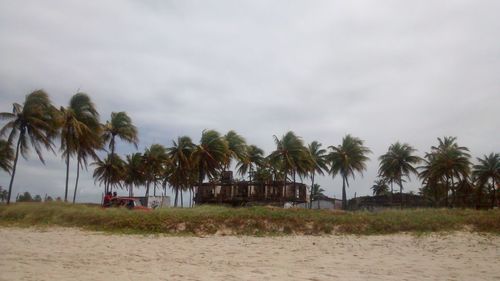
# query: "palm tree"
(317, 157)
(79, 120)
(488, 169)
(180, 172)
(3, 194)
(36, 122)
(316, 193)
(237, 148)
(254, 159)
(109, 172)
(398, 162)
(346, 159)
(6, 156)
(447, 162)
(88, 145)
(210, 155)
(288, 156)
(134, 171)
(380, 187)
(120, 126)
(155, 162)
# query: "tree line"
(446, 172)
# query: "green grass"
(258, 221)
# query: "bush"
(248, 221)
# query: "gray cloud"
(382, 71)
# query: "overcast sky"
(380, 70)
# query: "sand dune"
(71, 254)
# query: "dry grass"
(248, 221)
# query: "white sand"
(71, 254)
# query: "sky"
(383, 71)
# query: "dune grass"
(258, 221)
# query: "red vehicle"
(129, 203)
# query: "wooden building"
(242, 193)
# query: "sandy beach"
(72, 254)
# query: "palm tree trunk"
(311, 196)
(453, 197)
(14, 166)
(190, 198)
(447, 187)
(112, 146)
(67, 178)
(494, 200)
(401, 193)
(284, 183)
(154, 189)
(344, 195)
(194, 194)
(77, 177)
(176, 196)
(182, 200)
(147, 189)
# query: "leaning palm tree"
(134, 172)
(155, 163)
(87, 148)
(289, 155)
(36, 122)
(110, 172)
(119, 126)
(254, 159)
(346, 159)
(6, 156)
(237, 148)
(488, 169)
(317, 156)
(210, 155)
(79, 120)
(180, 172)
(398, 163)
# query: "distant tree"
(109, 172)
(254, 160)
(80, 128)
(36, 122)
(398, 163)
(181, 173)
(3, 194)
(445, 165)
(134, 172)
(290, 156)
(49, 199)
(317, 191)
(37, 198)
(236, 148)
(25, 197)
(120, 126)
(347, 159)
(155, 163)
(210, 155)
(488, 170)
(318, 164)
(380, 187)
